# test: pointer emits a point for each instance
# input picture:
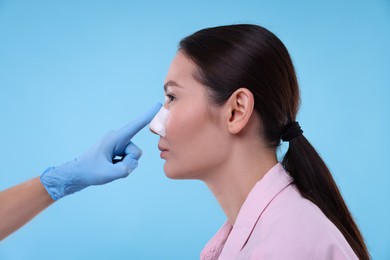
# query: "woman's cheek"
(182, 124)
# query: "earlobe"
(241, 104)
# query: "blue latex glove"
(96, 167)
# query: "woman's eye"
(169, 98)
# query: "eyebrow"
(171, 83)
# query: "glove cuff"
(60, 181)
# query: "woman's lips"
(164, 151)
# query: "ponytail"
(315, 183)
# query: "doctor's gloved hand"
(99, 164)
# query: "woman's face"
(195, 140)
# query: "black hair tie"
(291, 131)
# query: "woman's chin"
(174, 174)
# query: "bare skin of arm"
(20, 204)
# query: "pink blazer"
(276, 222)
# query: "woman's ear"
(240, 108)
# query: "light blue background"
(72, 70)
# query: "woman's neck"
(232, 183)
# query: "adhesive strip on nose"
(157, 124)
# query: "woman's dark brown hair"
(250, 56)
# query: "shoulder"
(292, 227)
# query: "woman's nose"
(153, 132)
(157, 125)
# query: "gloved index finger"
(124, 134)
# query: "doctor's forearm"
(20, 204)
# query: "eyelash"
(170, 98)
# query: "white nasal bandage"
(158, 123)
